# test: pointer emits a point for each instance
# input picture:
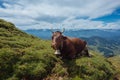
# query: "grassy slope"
(115, 61)
(23, 56)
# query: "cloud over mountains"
(41, 14)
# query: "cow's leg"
(78, 54)
(72, 55)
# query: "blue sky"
(113, 17)
(58, 14)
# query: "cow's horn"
(51, 30)
(63, 30)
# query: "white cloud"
(67, 24)
(29, 13)
(113, 25)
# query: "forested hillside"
(25, 57)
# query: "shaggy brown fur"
(69, 47)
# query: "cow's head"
(57, 40)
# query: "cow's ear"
(51, 30)
(63, 30)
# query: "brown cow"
(68, 47)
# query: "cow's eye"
(55, 34)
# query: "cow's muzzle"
(54, 46)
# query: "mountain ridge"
(82, 33)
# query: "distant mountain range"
(106, 41)
(106, 33)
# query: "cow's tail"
(86, 49)
(85, 43)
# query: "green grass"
(24, 56)
(115, 61)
